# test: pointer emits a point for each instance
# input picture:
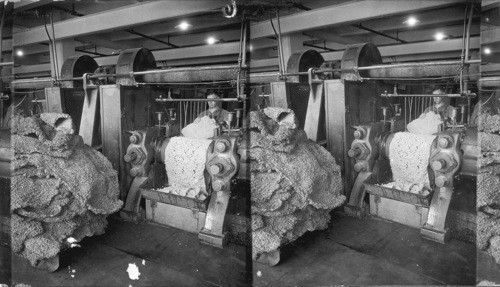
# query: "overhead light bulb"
(211, 40)
(412, 21)
(439, 36)
(184, 26)
(487, 51)
(19, 53)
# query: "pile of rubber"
(488, 186)
(62, 190)
(295, 183)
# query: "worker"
(440, 106)
(215, 111)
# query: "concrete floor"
(171, 258)
(352, 252)
(370, 251)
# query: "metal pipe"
(319, 47)
(253, 77)
(39, 80)
(359, 26)
(6, 63)
(489, 82)
(198, 100)
(467, 41)
(183, 69)
(33, 83)
(416, 64)
(420, 95)
(132, 31)
(2, 22)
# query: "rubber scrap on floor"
(61, 188)
(295, 183)
(488, 185)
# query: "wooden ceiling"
(103, 28)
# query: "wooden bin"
(399, 206)
(176, 211)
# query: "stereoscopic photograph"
(249, 143)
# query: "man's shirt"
(445, 111)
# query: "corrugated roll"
(409, 156)
(185, 160)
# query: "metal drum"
(77, 66)
(359, 55)
(134, 60)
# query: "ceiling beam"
(334, 38)
(168, 28)
(224, 51)
(6, 45)
(190, 40)
(422, 35)
(103, 42)
(428, 19)
(490, 35)
(351, 12)
(31, 69)
(120, 18)
(414, 48)
(29, 4)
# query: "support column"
(291, 43)
(63, 48)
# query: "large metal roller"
(192, 74)
(28, 84)
(419, 70)
(364, 61)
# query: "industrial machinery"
(371, 152)
(225, 161)
(349, 110)
(120, 111)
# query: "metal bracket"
(212, 232)
(445, 160)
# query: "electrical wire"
(280, 66)
(488, 99)
(20, 102)
(282, 59)
(54, 44)
(35, 91)
(190, 83)
(51, 51)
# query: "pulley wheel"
(134, 60)
(77, 66)
(359, 55)
(301, 62)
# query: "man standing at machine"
(440, 106)
(215, 110)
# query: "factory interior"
(250, 143)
